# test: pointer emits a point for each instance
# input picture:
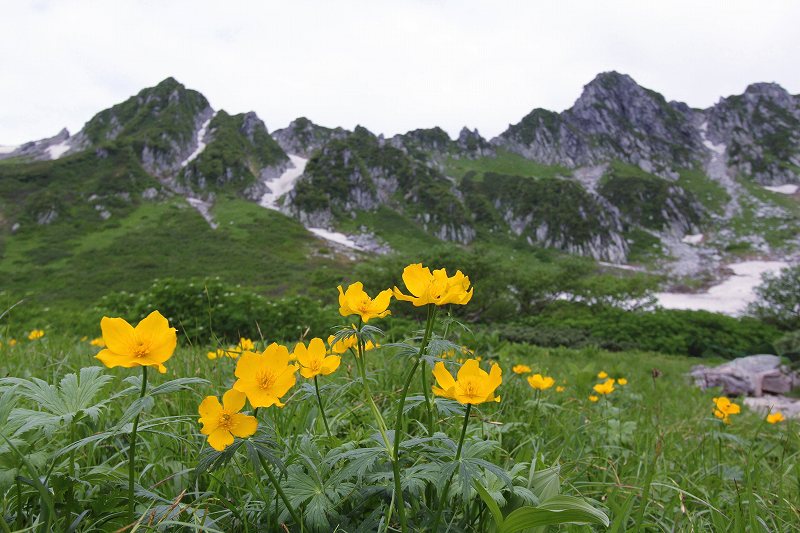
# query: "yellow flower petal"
(219, 439)
(243, 426)
(443, 377)
(233, 400)
(117, 334)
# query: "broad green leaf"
(556, 510)
(497, 514)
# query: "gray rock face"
(614, 118)
(754, 375)
(472, 144)
(302, 137)
(43, 149)
(761, 129)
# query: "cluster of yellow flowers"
(33, 335)
(724, 408)
(263, 379)
(233, 352)
(607, 386)
(536, 381)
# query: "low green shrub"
(693, 333)
(211, 311)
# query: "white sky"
(389, 65)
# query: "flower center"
(225, 421)
(140, 349)
(471, 389)
(363, 304)
(266, 380)
(315, 365)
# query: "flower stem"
(279, 490)
(20, 516)
(450, 478)
(321, 409)
(132, 450)
(370, 401)
(398, 427)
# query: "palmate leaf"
(72, 400)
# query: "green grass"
(265, 249)
(711, 194)
(650, 455)
(397, 230)
(504, 163)
(778, 231)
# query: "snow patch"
(693, 239)
(7, 149)
(204, 208)
(729, 297)
(284, 184)
(201, 145)
(57, 150)
(335, 236)
(782, 189)
(620, 266)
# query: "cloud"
(390, 66)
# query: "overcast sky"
(388, 65)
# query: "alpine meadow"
(588, 322)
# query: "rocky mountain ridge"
(622, 175)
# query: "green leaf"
(556, 510)
(497, 514)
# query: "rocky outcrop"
(761, 130)
(43, 149)
(614, 119)
(364, 173)
(160, 123)
(754, 375)
(239, 156)
(470, 143)
(302, 137)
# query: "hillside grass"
(505, 162)
(268, 251)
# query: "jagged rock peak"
(614, 118)
(303, 137)
(770, 90)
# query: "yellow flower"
(150, 343)
(473, 385)
(246, 345)
(355, 301)
(313, 360)
(435, 287)
(560, 389)
(593, 398)
(606, 387)
(622, 381)
(602, 375)
(12, 343)
(539, 382)
(369, 345)
(521, 369)
(343, 345)
(221, 422)
(84, 338)
(265, 377)
(775, 417)
(35, 334)
(723, 408)
(98, 341)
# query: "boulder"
(754, 375)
